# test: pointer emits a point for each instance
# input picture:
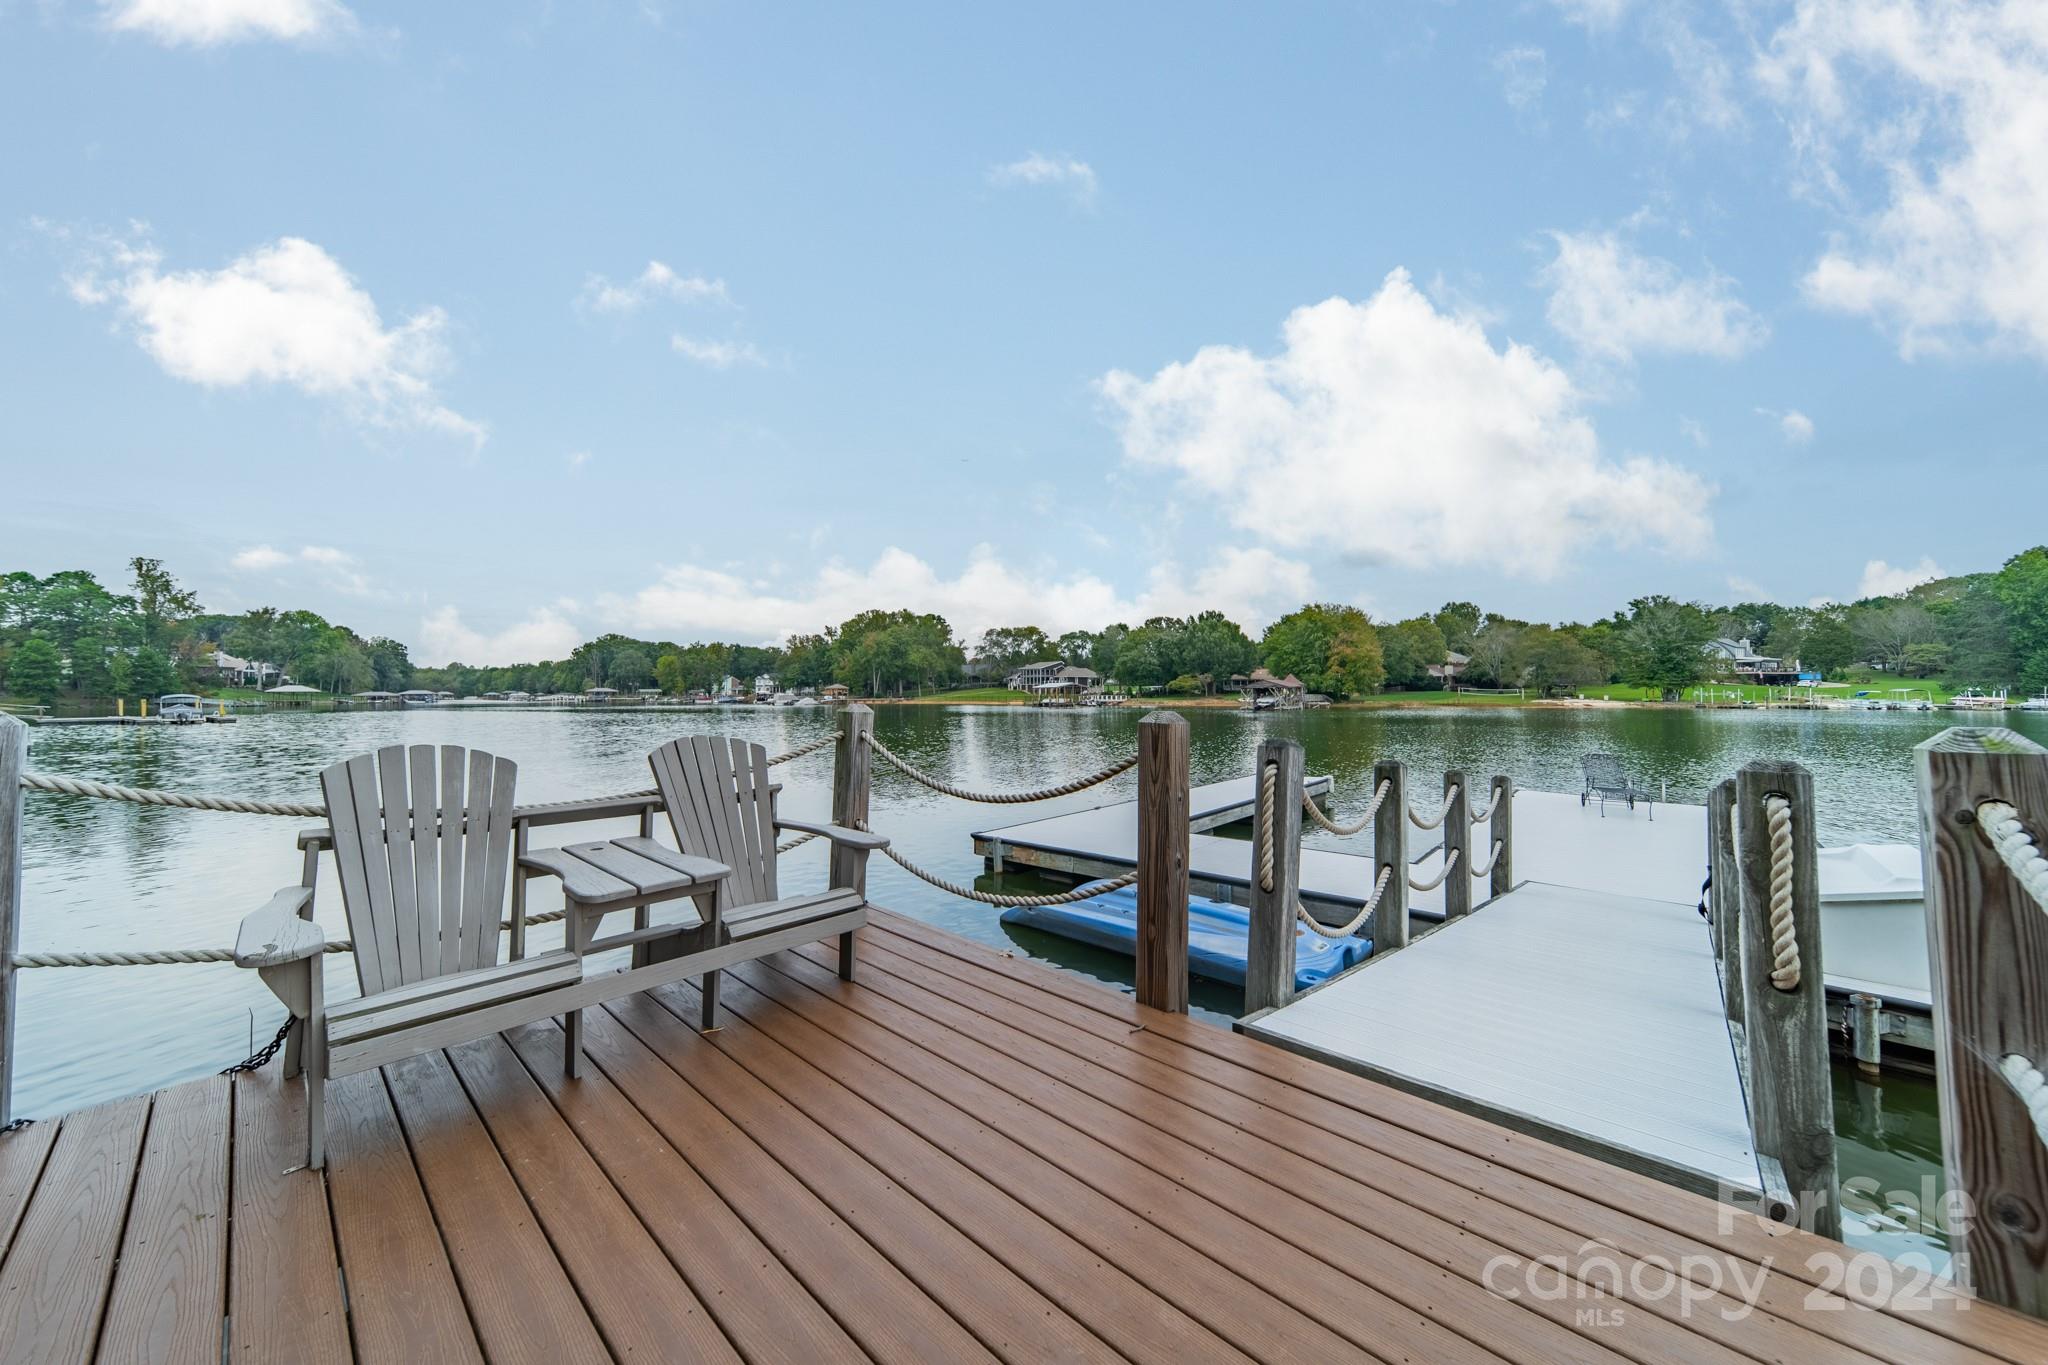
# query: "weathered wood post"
(1785, 1022)
(1163, 861)
(850, 778)
(1457, 829)
(1390, 851)
(13, 758)
(1724, 895)
(1987, 943)
(1269, 953)
(1500, 830)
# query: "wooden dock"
(959, 1156)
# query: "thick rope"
(1784, 932)
(1450, 861)
(1481, 869)
(1269, 785)
(1450, 795)
(1349, 927)
(1479, 815)
(302, 810)
(945, 788)
(787, 844)
(2000, 823)
(1372, 810)
(1079, 893)
(2027, 1082)
(172, 957)
(146, 796)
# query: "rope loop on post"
(1350, 927)
(2027, 1082)
(945, 788)
(1372, 810)
(1450, 796)
(1450, 861)
(1479, 815)
(1999, 821)
(1481, 869)
(1784, 932)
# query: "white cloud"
(1523, 73)
(208, 23)
(1882, 580)
(1250, 584)
(444, 639)
(718, 355)
(578, 458)
(1613, 301)
(1948, 104)
(1693, 430)
(1389, 431)
(284, 313)
(657, 281)
(1076, 177)
(1748, 589)
(260, 557)
(1594, 13)
(1797, 426)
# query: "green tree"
(391, 668)
(1459, 623)
(35, 670)
(1186, 685)
(1411, 649)
(1554, 661)
(1330, 647)
(1827, 645)
(152, 674)
(89, 667)
(629, 669)
(2022, 586)
(1664, 645)
(159, 598)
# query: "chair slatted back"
(424, 852)
(1604, 773)
(720, 806)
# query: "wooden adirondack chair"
(721, 806)
(423, 850)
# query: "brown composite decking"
(956, 1157)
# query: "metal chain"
(945, 788)
(260, 1058)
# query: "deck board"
(960, 1155)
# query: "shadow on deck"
(958, 1156)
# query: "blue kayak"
(1216, 935)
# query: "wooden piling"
(1987, 943)
(1724, 895)
(13, 758)
(1500, 829)
(1457, 829)
(1390, 851)
(1162, 968)
(850, 782)
(1269, 952)
(1791, 1096)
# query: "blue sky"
(493, 327)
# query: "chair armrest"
(322, 837)
(279, 932)
(838, 834)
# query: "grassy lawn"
(973, 696)
(1440, 699)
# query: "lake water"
(107, 875)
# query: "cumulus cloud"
(283, 313)
(657, 282)
(210, 23)
(1389, 431)
(1797, 426)
(1594, 13)
(260, 557)
(1883, 580)
(445, 639)
(338, 566)
(1947, 104)
(1615, 302)
(717, 355)
(1523, 73)
(1250, 584)
(578, 459)
(1077, 178)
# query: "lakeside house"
(1742, 660)
(238, 672)
(1260, 685)
(1028, 677)
(1051, 676)
(1448, 672)
(835, 692)
(764, 685)
(600, 696)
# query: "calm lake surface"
(101, 875)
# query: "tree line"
(67, 632)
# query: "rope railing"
(1450, 861)
(1479, 815)
(2028, 1083)
(1350, 926)
(1784, 933)
(1008, 902)
(946, 788)
(1492, 857)
(1372, 810)
(2000, 824)
(172, 957)
(1431, 822)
